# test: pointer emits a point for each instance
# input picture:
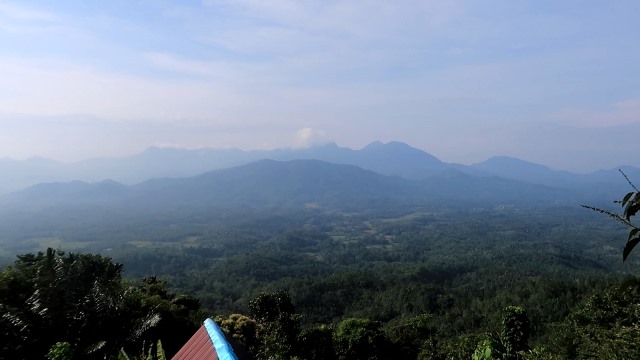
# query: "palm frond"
(147, 323)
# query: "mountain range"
(107, 198)
(293, 184)
(377, 176)
(391, 159)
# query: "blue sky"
(553, 82)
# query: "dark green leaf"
(626, 198)
(631, 210)
(629, 247)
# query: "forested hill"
(294, 184)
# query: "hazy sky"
(555, 82)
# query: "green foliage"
(269, 307)
(278, 325)
(460, 267)
(360, 339)
(316, 343)
(515, 331)
(459, 347)
(433, 282)
(159, 353)
(79, 299)
(56, 297)
(242, 329)
(122, 355)
(160, 314)
(155, 352)
(512, 341)
(484, 351)
(606, 326)
(409, 335)
(60, 351)
(540, 353)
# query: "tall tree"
(278, 325)
(80, 299)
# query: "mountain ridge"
(293, 183)
(392, 158)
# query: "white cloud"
(308, 137)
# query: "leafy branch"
(631, 205)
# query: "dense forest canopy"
(442, 278)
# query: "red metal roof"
(199, 347)
(208, 343)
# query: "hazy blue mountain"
(512, 168)
(389, 159)
(396, 158)
(296, 183)
(462, 187)
(17, 174)
(273, 184)
(55, 194)
(393, 158)
(614, 175)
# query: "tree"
(360, 339)
(242, 329)
(60, 351)
(515, 331)
(53, 296)
(173, 317)
(316, 343)
(80, 302)
(410, 335)
(278, 324)
(512, 340)
(606, 326)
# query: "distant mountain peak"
(327, 145)
(398, 144)
(508, 161)
(390, 145)
(41, 160)
(373, 145)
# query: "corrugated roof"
(208, 343)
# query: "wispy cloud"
(20, 19)
(353, 19)
(624, 112)
(171, 62)
(59, 88)
(21, 12)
